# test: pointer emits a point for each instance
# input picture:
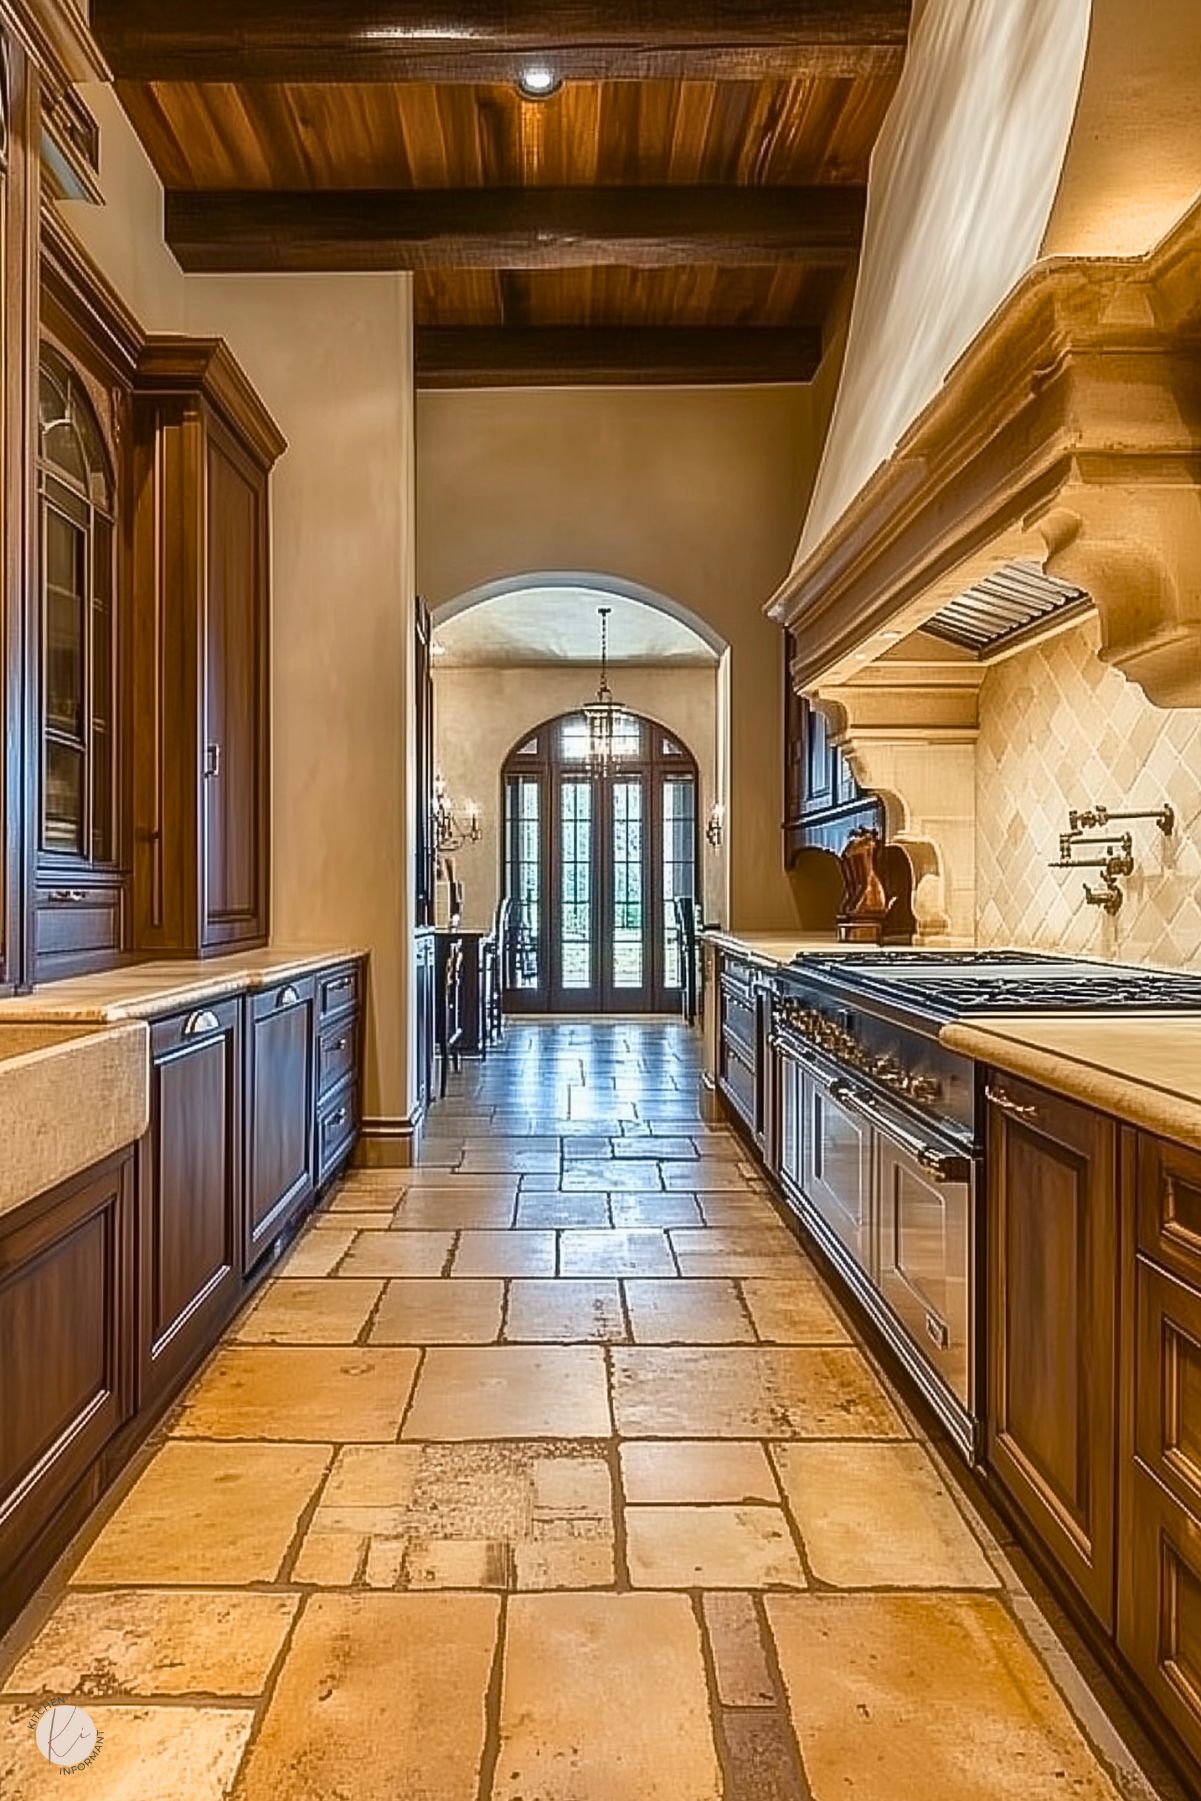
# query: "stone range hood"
(1068, 436)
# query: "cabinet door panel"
(64, 1317)
(190, 1191)
(1169, 1206)
(234, 738)
(1167, 1382)
(280, 1126)
(1053, 1302)
(1159, 1602)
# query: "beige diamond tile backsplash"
(1059, 729)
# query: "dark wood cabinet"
(1053, 1209)
(189, 1192)
(66, 1267)
(204, 446)
(281, 1048)
(823, 803)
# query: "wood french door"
(593, 861)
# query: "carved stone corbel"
(909, 734)
(1145, 580)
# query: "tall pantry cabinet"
(204, 446)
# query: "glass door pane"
(629, 897)
(679, 864)
(524, 880)
(576, 879)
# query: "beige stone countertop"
(150, 990)
(1144, 1068)
(773, 949)
(70, 1095)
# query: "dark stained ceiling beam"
(567, 356)
(490, 40)
(512, 228)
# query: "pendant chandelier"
(603, 716)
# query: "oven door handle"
(943, 1166)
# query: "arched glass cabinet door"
(77, 509)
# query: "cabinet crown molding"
(1079, 401)
(182, 366)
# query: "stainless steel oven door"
(925, 1209)
(836, 1144)
(790, 1104)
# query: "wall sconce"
(449, 832)
(715, 830)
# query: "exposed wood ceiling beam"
(562, 356)
(489, 40)
(512, 228)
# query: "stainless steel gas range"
(879, 1131)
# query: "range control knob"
(925, 1088)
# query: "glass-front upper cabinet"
(77, 502)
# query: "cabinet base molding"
(390, 1143)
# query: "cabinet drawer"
(77, 928)
(338, 991)
(1159, 1602)
(738, 1019)
(337, 1129)
(1167, 1382)
(738, 1080)
(336, 1054)
(1169, 1206)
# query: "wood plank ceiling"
(685, 208)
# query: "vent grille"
(1004, 607)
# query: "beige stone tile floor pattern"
(551, 1470)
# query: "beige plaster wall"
(331, 356)
(481, 714)
(963, 178)
(695, 493)
(1060, 729)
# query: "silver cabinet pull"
(197, 1024)
(287, 997)
(937, 1331)
(1007, 1104)
(340, 982)
(212, 761)
(339, 1044)
(335, 1120)
(62, 896)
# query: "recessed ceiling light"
(538, 81)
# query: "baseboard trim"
(390, 1143)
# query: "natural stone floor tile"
(492, 1160)
(626, 1717)
(380, 1697)
(586, 1146)
(300, 1392)
(794, 1309)
(169, 1753)
(310, 1311)
(694, 1470)
(147, 1642)
(213, 1513)
(356, 1196)
(739, 1659)
(564, 1311)
(511, 1391)
(360, 1222)
(584, 1211)
(439, 1210)
(617, 1177)
(655, 1210)
(759, 1250)
(839, 1494)
(683, 1312)
(416, 1310)
(749, 1391)
(502, 1516)
(668, 1150)
(926, 1698)
(710, 1174)
(399, 1254)
(481, 1182)
(761, 1757)
(318, 1251)
(505, 1254)
(711, 1547)
(615, 1253)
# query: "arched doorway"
(593, 860)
